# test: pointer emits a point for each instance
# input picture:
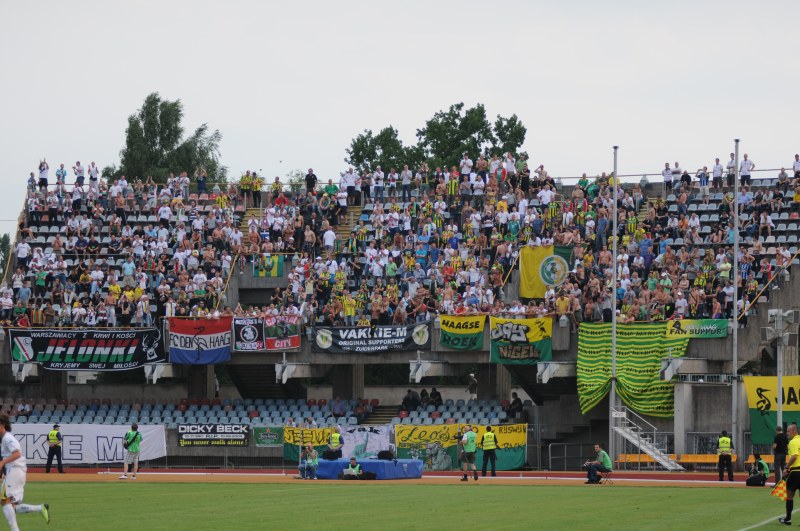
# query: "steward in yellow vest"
(335, 443)
(724, 450)
(489, 445)
(54, 440)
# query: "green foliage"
(5, 250)
(296, 179)
(385, 149)
(509, 134)
(441, 142)
(448, 134)
(155, 144)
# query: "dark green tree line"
(440, 142)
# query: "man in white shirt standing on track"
(16, 471)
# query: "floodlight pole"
(612, 396)
(735, 277)
(779, 359)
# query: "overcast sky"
(290, 84)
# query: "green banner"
(698, 328)
(640, 348)
(462, 332)
(437, 446)
(268, 436)
(268, 265)
(763, 424)
(520, 341)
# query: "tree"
(509, 134)
(449, 134)
(5, 250)
(155, 144)
(296, 179)
(442, 142)
(385, 149)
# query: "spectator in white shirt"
(466, 166)
(745, 168)
(666, 173)
(716, 174)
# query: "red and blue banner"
(200, 341)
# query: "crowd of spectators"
(424, 241)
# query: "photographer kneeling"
(308, 466)
(759, 472)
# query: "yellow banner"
(521, 330)
(508, 435)
(531, 285)
(762, 393)
(304, 436)
(462, 324)
(407, 436)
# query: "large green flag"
(640, 348)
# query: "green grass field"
(323, 506)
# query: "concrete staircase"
(382, 415)
(348, 222)
(248, 214)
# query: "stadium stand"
(382, 248)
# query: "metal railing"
(702, 442)
(626, 418)
(569, 456)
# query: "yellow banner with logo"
(542, 267)
(438, 445)
(531, 285)
(520, 341)
(762, 392)
(762, 400)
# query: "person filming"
(308, 463)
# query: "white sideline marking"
(272, 474)
(765, 522)
(517, 478)
(583, 479)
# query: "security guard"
(724, 451)
(489, 445)
(335, 443)
(791, 474)
(54, 440)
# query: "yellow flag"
(531, 284)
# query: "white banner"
(89, 443)
(364, 441)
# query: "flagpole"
(735, 338)
(612, 397)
